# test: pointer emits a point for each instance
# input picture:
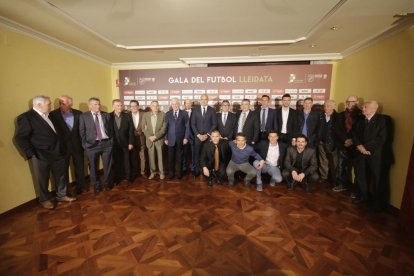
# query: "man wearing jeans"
(241, 152)
(273, 153)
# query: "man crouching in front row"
(300, 165)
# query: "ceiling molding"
(213, 44)
(247, 59)
(29, 32)
(149, 65)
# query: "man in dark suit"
(96, 133)
(203, 122)
(41, 141)
(300, 165)
(214, 158)
(123, 142)
(188, 149)
(328, 144)
(308, 122)
(138, 151)
(286, 121)
(226, 121)
(267, 117)
(346, 149)
(177, 134)
(369, 137)
(273, 153)
(248, 123)
(67, 120)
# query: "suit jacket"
(341, 133)
(228, 130)
(271, 122)
(251, 126)
(263, 148)
(177, 129)
(312, 123)
(207, 154)
(326, 131)
(371, 135)
(291, 123)
(87, 128)
(138, 129)
(309, 162)
(203, 125)
(158, 132)
(72, 136)
(124, 135)
(35, 137)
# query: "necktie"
(175, 115)
(243, 120)
(98, 128)
(224, 119)
(204, 111)
(263, 122)
(216, 158)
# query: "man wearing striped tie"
(248, 123)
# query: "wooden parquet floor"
(185, 228)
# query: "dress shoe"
(209, 183)
(108, 188)
(48, 205)
(143, 175)
(162, 176)
(272, 184)
(96, 191)
(259, 187)
(151, 176)
(66, 199)
(231, 183)
(169, 177)
(219, 182)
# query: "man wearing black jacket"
(286, 119)
(369, 137)
(123, 129)
(226, 121)
(67, 120)
(42, 142)
(214, 158)
(308, 122)
(346, 149)
(248, 123)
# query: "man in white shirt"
(286, 120)
(138, 151)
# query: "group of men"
(285, 143)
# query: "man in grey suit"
(300, 164)
(96, 134)
(154, 127)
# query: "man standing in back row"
(96, 133)
(40, 141)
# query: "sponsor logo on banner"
(250, 91)
(304, 96)
(126, 103)
(187, 92)
(141, 98)
(292, 78)
(163, 92)
(291, 91)
(237, 97)
(166, 97)
(126, 81)
(199, 91)
(250, 97)
(224, 91)
(128, 92)
(139, 92)
(143, 81)
(264, 91)
(319, 97)
(319, 90)
(224, 97)
(294, 96)
(305, 91)
(212, 91)
(161, 103)
(152, 98)
(151, 92)
(187, 97)
(237, 91)
(278, 91)
(128, 97)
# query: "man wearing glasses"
(226, 121)
(345, 123)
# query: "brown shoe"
(162, 176)
(48, 205)
(66, 199)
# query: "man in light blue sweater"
(241, 153)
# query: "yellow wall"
(385, 72)
(30, 67)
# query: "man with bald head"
(369, 137)
(346, 150)
(67, 119)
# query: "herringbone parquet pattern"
(186, 228)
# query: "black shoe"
(170, 177)
(291, 185)
(359, 200)
(97, 191)
(209, 183)
(108, 188)
(219, 182)
(307, 187)
(231, 184)
(247, 183)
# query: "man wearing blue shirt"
(241, 153)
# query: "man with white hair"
(42, 142)
(369, 137)
(327, 143)
(177, 135)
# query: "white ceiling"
(208, 31)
